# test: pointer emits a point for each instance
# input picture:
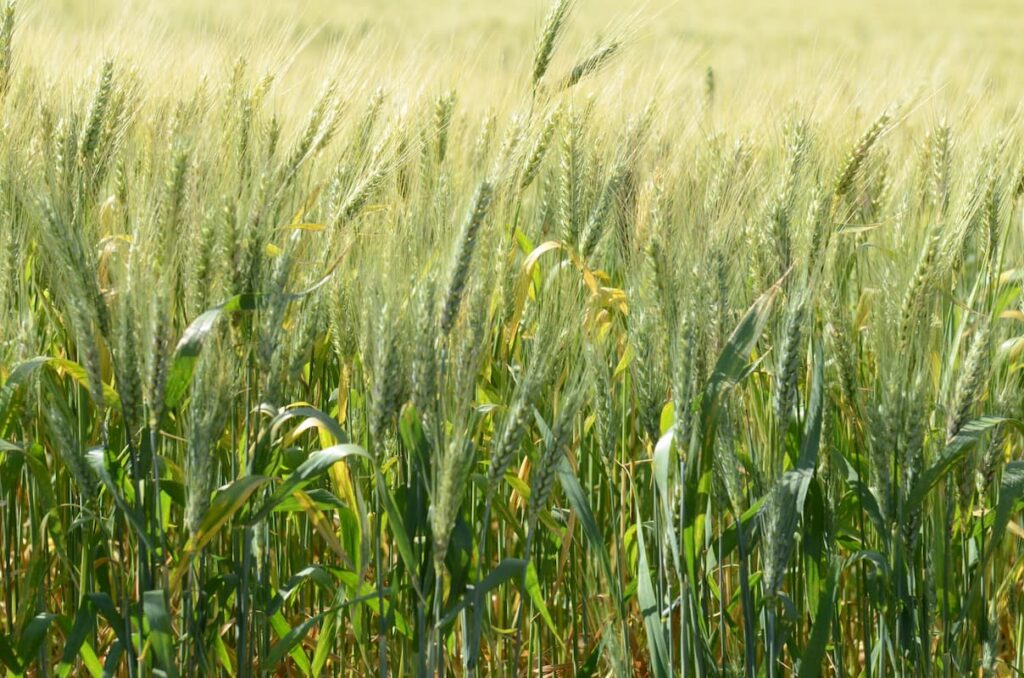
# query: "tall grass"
(570, 388)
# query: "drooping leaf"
(317, 463)
(955, 450)
(97, 459)
(179, 376)
(226, 503)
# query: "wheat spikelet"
(845, 351)
(425, 366)
(969, 388)
(649, 380)
(606, 415)
(539, 148)
(362, 191)
(553, 24)
(319, 128)
(994, 456)
(6, 44)
(97, 113)
(158, 362)
(683, 382)
(501, 170)
(912, 462)
(386, 392)
(447, 500)
(992, 207)
(572, 178)
(542, 479)
(780, 521)
(464, 256)
(69, 451)
(591, 63)
(208, 409)
(883, 440)
(599, 215)
(516, 421)
(343, 320)
(782, 204)
(914, 298)
(202, 274)
(443, 109)
(858, 155)
(127, 372)
(941, 151)
(482, 145)
(364, 129)
(709, 87)
(971, 382)
(174, 192)
(727, 469)
(789, 359)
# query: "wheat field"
(480, 338)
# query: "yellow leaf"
(627, 358)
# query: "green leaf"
(650, 608)
(504, 571)
(532, 585)
(19, 376)
(1011, 494)
(323, 644)
(312, 415)
(7, 656)
(814, 653)
(105, 605)
(34, 634)
(298, 633)
(398, 531)
(289, 643)
(662, 470)
(867, 501)
(84, 621)
(78, 373)
(812, 428)
(581, 505)
(314, 573)
(113, 657)
(90, 661)
(161, 635)
(588, 669)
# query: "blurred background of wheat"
(835, 55)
